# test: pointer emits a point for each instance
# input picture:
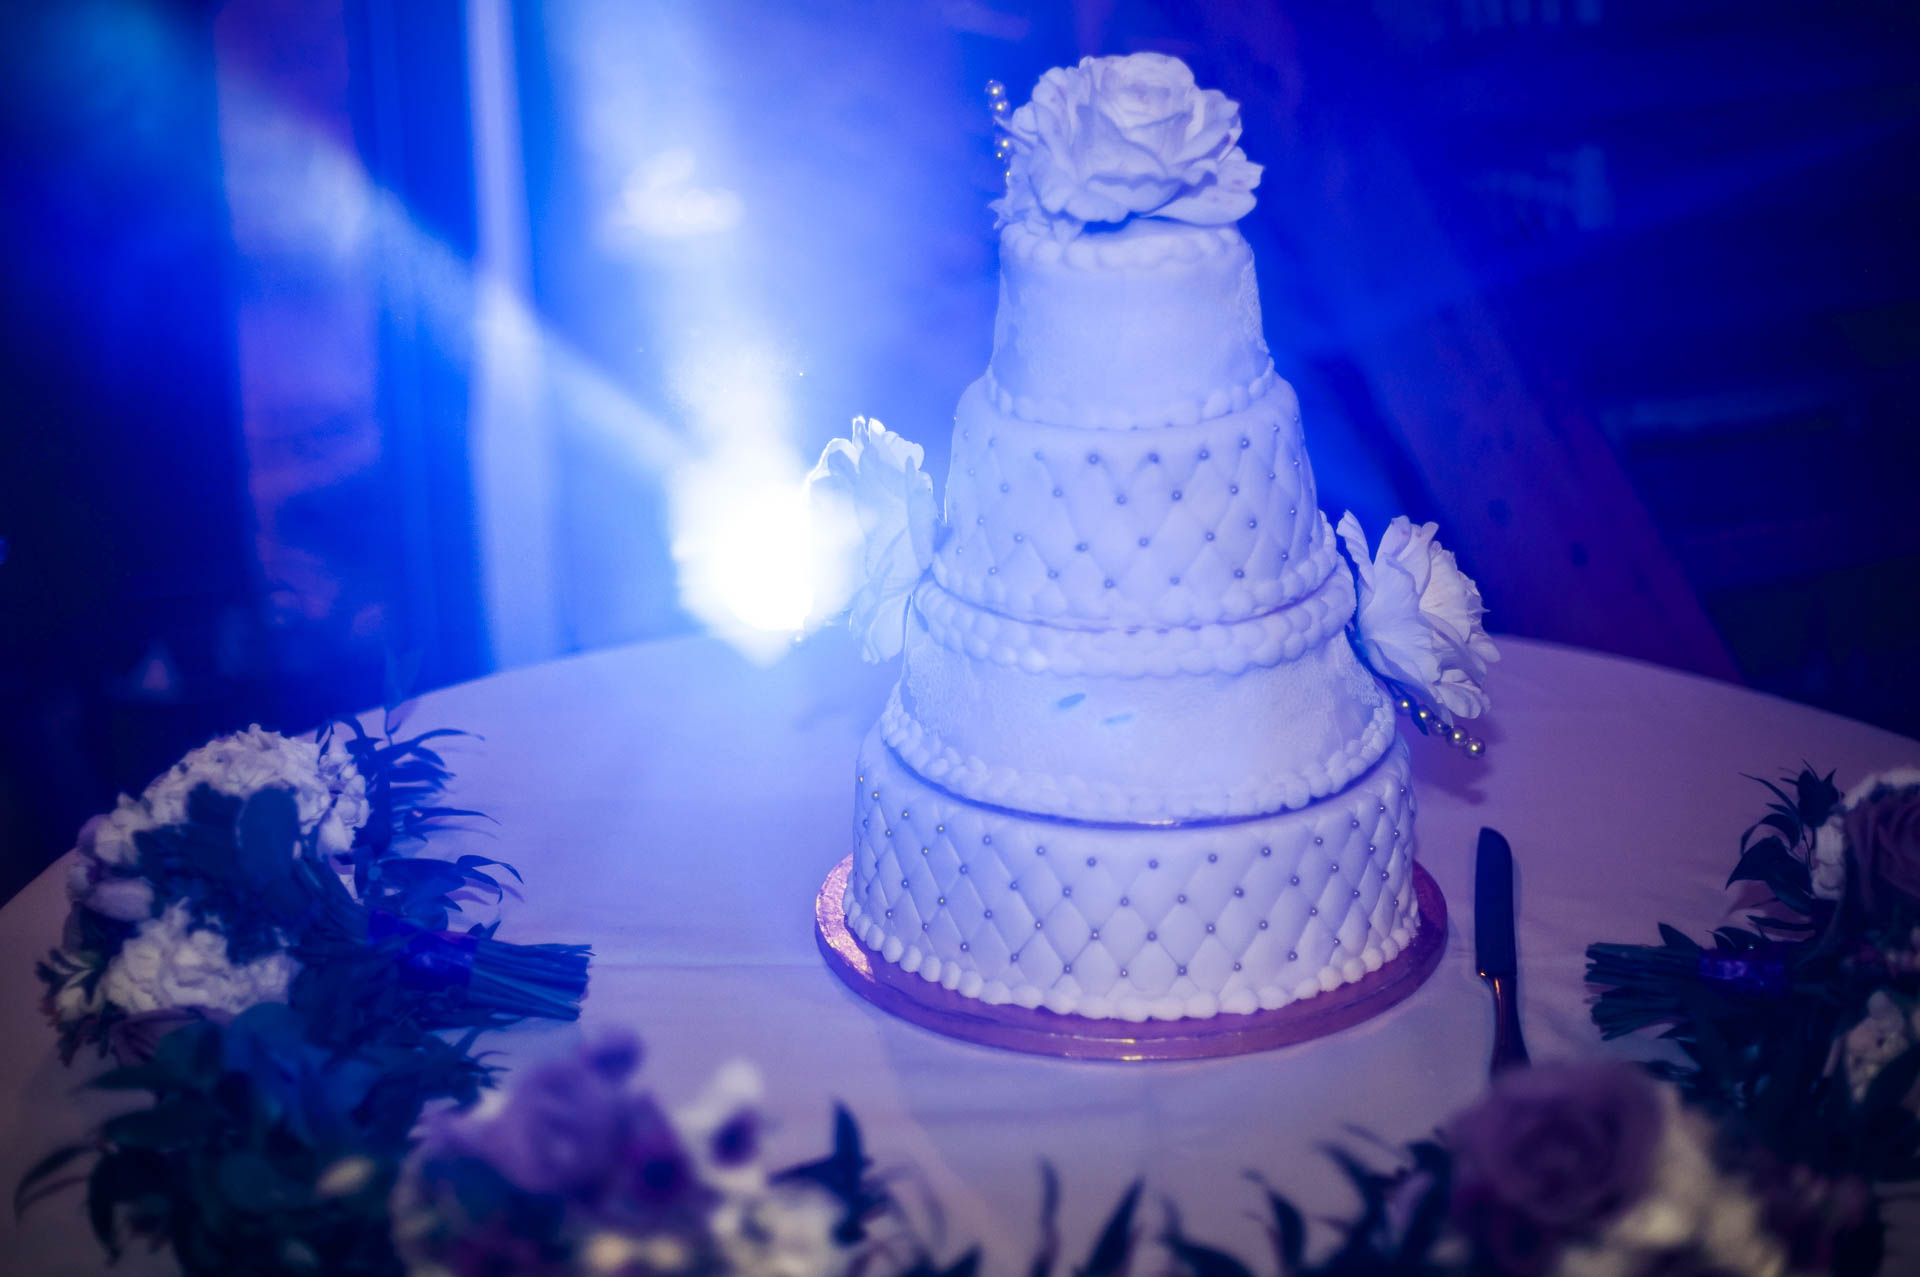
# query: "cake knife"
(1493, 946)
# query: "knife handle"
(1509, 1048)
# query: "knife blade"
(1494, 951)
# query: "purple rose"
(657, 1178)
(565, 1123)
(1552, 1154)
(1883, 832)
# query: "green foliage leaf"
(1048, 1252)
(1116, 1240)
(1205, 1261)
(38, 1182)
(1288, 1228)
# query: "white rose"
(329, 794)
(869, 493)
(1830, 859)
(784, 1232)
(708, 1128)
(1875, 1042)
(1120, 137)
(1689, 1206)
(1892, 778)
(170, 963)
(1418, 621)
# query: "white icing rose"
(1418, 621)
(171, 964)
(329, 793)
(1124, 137)
(869, 492)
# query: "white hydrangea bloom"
(783, 1232)
(1689, 1205)
(329, 793)
(1418, 619)
(171, 963)
(1874, 1043)
(109, 837)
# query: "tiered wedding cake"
(1132, 767)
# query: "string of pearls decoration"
(1430, 724)
(1002, 110)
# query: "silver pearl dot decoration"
(1293, 955)
(1239, 891)
(1263, 924)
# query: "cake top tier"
(1120, 138)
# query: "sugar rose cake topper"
(1122, 137)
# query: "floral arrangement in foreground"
(260, 944)
(1802, 1028)
(272, 1148)
(1574, 1169)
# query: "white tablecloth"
(677, 807)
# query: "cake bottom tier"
(1132, 922)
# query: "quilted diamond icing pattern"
(1133, 923)
(1173, 526)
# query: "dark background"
(1620, 293)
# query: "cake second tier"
(1138, 725)
(1177, 525)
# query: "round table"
(677, 806)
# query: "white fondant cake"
(1133, 767)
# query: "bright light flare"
(744, 544)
